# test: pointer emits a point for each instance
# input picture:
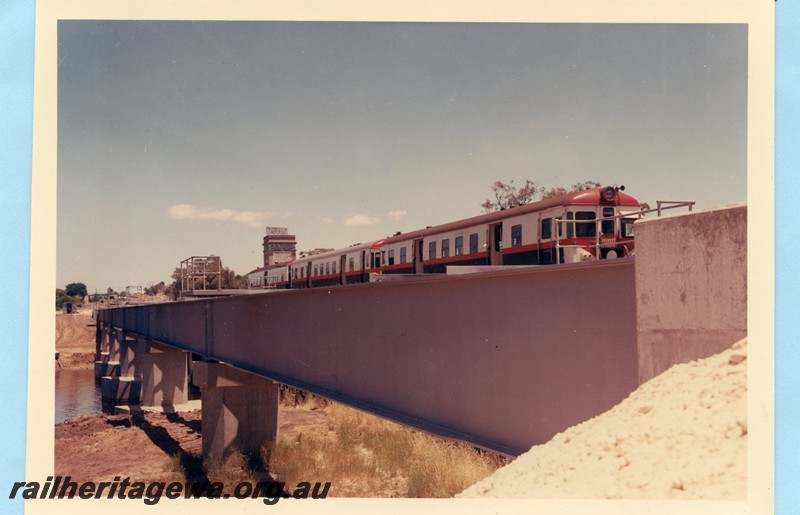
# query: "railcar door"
(363, 276)
(495, 239)
(418, 265)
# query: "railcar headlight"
(609, 194)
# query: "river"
(76, 394)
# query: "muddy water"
(76, 394)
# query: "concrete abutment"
(691, 287)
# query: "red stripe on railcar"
(460, 257)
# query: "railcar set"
(588, 225)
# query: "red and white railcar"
(277, 276)
(596, 223)
(350, 265)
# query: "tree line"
(508, 195)
(72, 293)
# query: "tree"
(174, 289)
(227, 279)
(230, 280)
(62, 298)
(76, 290)
(507, 196)
(155, 289)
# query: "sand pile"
(681, 435)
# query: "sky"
(187, 138)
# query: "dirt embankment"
(75, 340)
(681, 435)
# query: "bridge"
(501, 359)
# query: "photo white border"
(757, 14)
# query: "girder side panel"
(505, 360)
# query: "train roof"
(588, 197)
(270, 267)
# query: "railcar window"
(432, 250)
(316, 269)
(391, 257)
(585, 230)
(570, 226)
(516, 235)
(459, 245)
(333, 267)
(607, 226)
(402, 255)
(351, 264)
(547, 228)
(473, 243)
(327, 268)
(627, 227)
(446, 247)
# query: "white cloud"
(248, 218)
(325, 219)
(397, 215)
(362, 220)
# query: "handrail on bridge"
(661, 205)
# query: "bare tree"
(507, 196)
(585, 185)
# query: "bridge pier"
(141, 371)
(104, 363)
(239, 409)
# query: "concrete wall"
(691, 286)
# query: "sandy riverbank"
(75, 339)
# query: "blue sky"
(187, 138)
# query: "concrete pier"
(240, 409)
(163, 371)
(104, 365)
(136, 370)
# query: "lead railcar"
(592, 224)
